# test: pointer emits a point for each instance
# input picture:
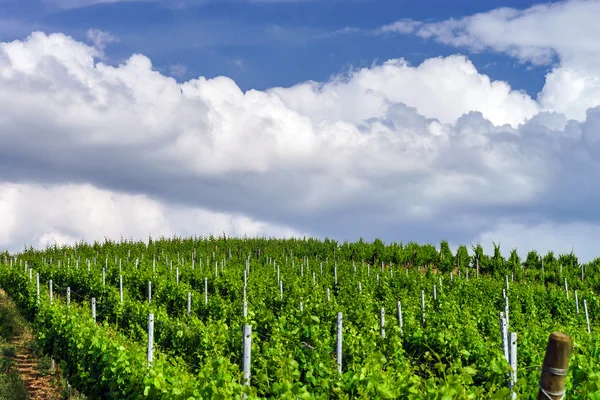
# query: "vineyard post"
(50, 288)
(37, 285)
(88, 263)
(477, 266)
(434, 293)
(450, 276)
(577, 302)
(335, 274)
(513, 362)
(216, 269)
(566, 289)
(503, 336)
(423, 306)
(377, 279)
(301, 307)
(68, 296)
(320, 267)
(555, 367)
(400, 316)
(339, 342)
(503, 294)
(359, 288)
(177, 275)
(205, 291)
(150, 338)
(121, 288)
(314, 281)
(247, 354)
(149, 291)
(506, 283)
(245, 308)
(103, 276)
(382, 322)
(328, 295)
(94, 309)
(467, 273)
(506, 312)
(543, 274)
(280, 290)
(30, 273)
(189, 303)
(587, 318)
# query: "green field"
(451, 349)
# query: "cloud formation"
(395, 151)
(560, 34)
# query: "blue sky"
(472, 122)
(266, 44)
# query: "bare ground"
(38, 386)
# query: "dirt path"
(27, 363)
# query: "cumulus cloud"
(395, 151)
(442, 88)
(41, 215)
(559, 34)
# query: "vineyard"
(220, 318)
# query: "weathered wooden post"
(554, 369)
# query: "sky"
(405, 120)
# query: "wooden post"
(554, 369)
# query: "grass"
(11, 325)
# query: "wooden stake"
(554, 370)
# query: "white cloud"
(401, 152)
(178, 70)
(70, 4)
(561, 34)
(100, 39)
(64, 214)
(442, 88)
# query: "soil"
(39, 387)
